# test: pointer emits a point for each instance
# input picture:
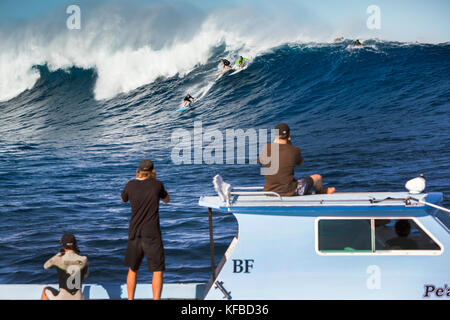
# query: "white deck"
(106, 291)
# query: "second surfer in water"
(241, 63)
(226, 65)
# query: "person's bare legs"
(131, 283)
(157, 284)
(318, 185)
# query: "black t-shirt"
(144, 196)
(283, 181)
(226, 62)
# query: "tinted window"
(444, 217)
(401, 234)
(344, 235)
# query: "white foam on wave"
(124, 61)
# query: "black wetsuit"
(226, 63)
(188, 98)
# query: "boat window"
(345, 235)
(401, 234)
(444, 217)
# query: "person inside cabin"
(144, 235)
(402, 242)
(289, 156)
(72, 268)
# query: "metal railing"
(253, 193)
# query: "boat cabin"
(364, 245)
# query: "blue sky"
(403, 20)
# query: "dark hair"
(69, 246)
(402, 228)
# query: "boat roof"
(343, 200)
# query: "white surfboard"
(239, 69)
(220, 74)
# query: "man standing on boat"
(144, 236)
(289, 156)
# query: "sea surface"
(367, 119)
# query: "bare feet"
(331, 190)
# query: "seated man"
(402, 242)
(283, 182)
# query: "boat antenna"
(429, 204)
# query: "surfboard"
(183, 108)
(223, 72)
(352, 46)
(239, 69)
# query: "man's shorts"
(304, 186)
(153, 250)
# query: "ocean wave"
(130, 46)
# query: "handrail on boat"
(256, 193)
(247, 188)
(253, 193)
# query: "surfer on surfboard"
(240, 62)
(187, 100)
(225, 64)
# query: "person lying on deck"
(290, 156)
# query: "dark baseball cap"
(283, 129)
(68, 239)
(146, 165)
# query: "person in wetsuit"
(241, 62)
(225, 64)
(358, 43)
(72, 268)
(188, 99)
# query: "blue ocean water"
(367, 120)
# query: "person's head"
(68, 242)
(145, 170)
(283, 132)
(402, 228)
